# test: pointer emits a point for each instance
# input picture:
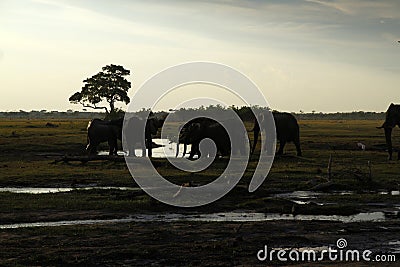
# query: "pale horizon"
(327, 56)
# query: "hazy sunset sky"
(323, 55)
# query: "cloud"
(363, 8)
(281, 44)
(331, 4)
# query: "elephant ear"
(193, 127)
(196, 126)
(158, 123)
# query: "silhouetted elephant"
(184, 136)
(207, 128)
(392, 119)
(99, 131)
(287, 130)
(137, 139)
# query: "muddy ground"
(189, 244)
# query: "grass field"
(29, 148)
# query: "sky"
(308, 55)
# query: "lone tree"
(109, 84)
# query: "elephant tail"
(381, 127)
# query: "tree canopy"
(109, 85)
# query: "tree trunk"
(112, 108)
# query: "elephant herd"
(198, 129)
(99, 131)
(191, 133)
(194, 131)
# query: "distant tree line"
(183, 114)
(51, 115)
(355, 115)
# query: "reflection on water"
(63, 223)
(167, 149)
(395, 246)
(212, 217)
(46, 190)
(393, 193)
(299, 197)
(308, 197)
(302, 197)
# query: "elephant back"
(100, 130)
(392, 116)
(286, 126)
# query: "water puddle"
(301, 197)
(395, 246)
(167, 149)
(48, 190)
(312, 197)
(298, 197)
(212, 217)
(393, 193)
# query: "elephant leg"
(388, 135)
(112, 144)
(116, 147)
(255, 137)
(191, 154)
(270, 146)
(240, 151)
(149, 145)
(195, 150)
(282, 144)
(89, 148)
(184, 150)
(298, 148)
(92, 148)
(143, 145)
(177, 149)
